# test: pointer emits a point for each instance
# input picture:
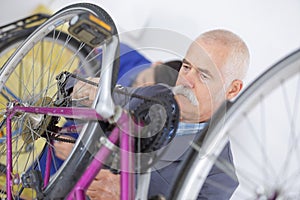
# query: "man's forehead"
(198, 57)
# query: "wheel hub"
(35, 125)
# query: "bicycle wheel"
(29, 77)
(262, 125)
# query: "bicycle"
(79, 57)
(203, 153)
(29, 128)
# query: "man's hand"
(106, 186)
(85, 91)
(63, 149)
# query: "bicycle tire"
(256, 149)
(85, 146)
(8, 48)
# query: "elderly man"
(212, 72)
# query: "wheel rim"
(28, 80)
(264, 132)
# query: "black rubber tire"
(88, 143)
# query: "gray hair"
(238, 58)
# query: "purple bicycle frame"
(78, 192)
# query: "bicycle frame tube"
(78, 192)
(126, 144)
(86, 179)
(9, 178)
(76, 113)
(127, 176)
(9, 181)
(48, 164)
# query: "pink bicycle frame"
(78, 192)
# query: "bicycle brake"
(63, 93)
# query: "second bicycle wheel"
(263, 127)
(31, 78)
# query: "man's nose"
(188, 79)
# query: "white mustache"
(185, 91)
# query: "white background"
(271, 28)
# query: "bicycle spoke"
(292, 116)
(31, 80)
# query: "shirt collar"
(189, 128)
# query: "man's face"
(200, 74)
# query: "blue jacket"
(213, 188)
(131, 64)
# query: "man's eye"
(203, 76)
(185, 67)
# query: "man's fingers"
(63, 149)
(85, 92)
(106, 185)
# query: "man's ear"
(234, 89)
